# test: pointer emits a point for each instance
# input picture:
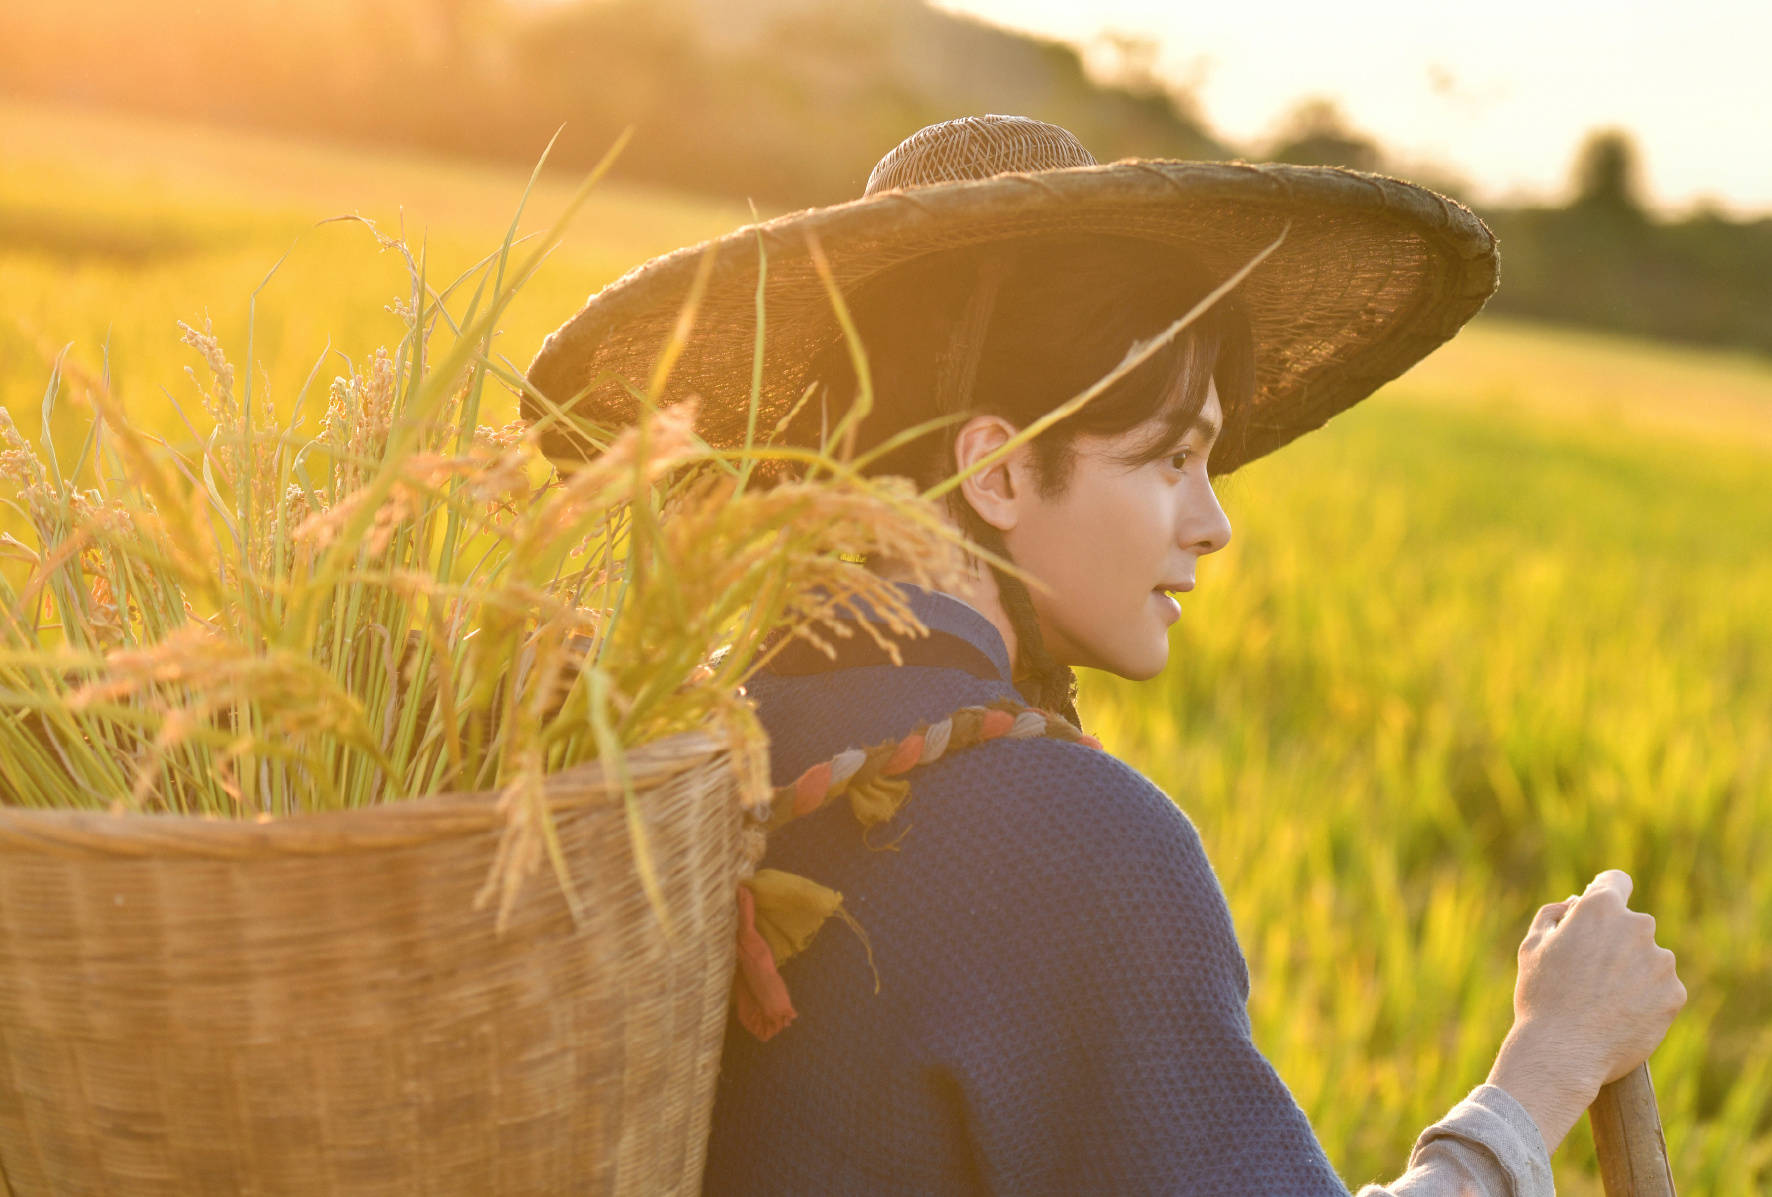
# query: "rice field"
(1502, 626)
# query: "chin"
(1144, 666)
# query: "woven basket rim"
(368, 828)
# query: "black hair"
(1015, 330)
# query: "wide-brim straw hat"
(1372, 274)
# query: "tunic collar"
(960, 637)
(940, 611)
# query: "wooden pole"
(1628, 1138)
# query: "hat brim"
(1372, 275)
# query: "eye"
(1180, 458)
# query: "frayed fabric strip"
(764, 1007)
(935, 741)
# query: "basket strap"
(872, 777)
(779, 912)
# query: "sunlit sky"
(1500, 92)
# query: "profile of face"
(1112, 542)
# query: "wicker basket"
(313, 1005)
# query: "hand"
(1594, 998)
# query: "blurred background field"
(1504, 625)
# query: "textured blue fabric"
(1062, 1003)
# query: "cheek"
(1115, 537)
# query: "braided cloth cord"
(780, 912)
(977, 147)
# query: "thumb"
(1613, 879)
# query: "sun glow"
(1502, 101)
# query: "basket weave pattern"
(313, 1005)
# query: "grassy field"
(1504, 625)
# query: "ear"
(998, 491)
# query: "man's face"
(1114, 540)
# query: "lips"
(1167, 603)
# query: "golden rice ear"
(378, 629)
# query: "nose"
(1205, 526)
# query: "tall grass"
(1501, 626)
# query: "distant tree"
(1607, 176)
(1316, 133)
(1130, 60)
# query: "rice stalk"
(275, 619)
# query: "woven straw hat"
(1372, 274)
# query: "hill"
(786, 102)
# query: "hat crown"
(976, 147)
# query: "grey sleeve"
(1486, 1146)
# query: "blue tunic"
(1062, 1003)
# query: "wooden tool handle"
(1628, 1139)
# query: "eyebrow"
(1207, 428)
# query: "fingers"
(1607, 884)
(1676, 998)
(1550, 915)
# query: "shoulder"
(1056, 852)
(1056, 823)
(1026, 794)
